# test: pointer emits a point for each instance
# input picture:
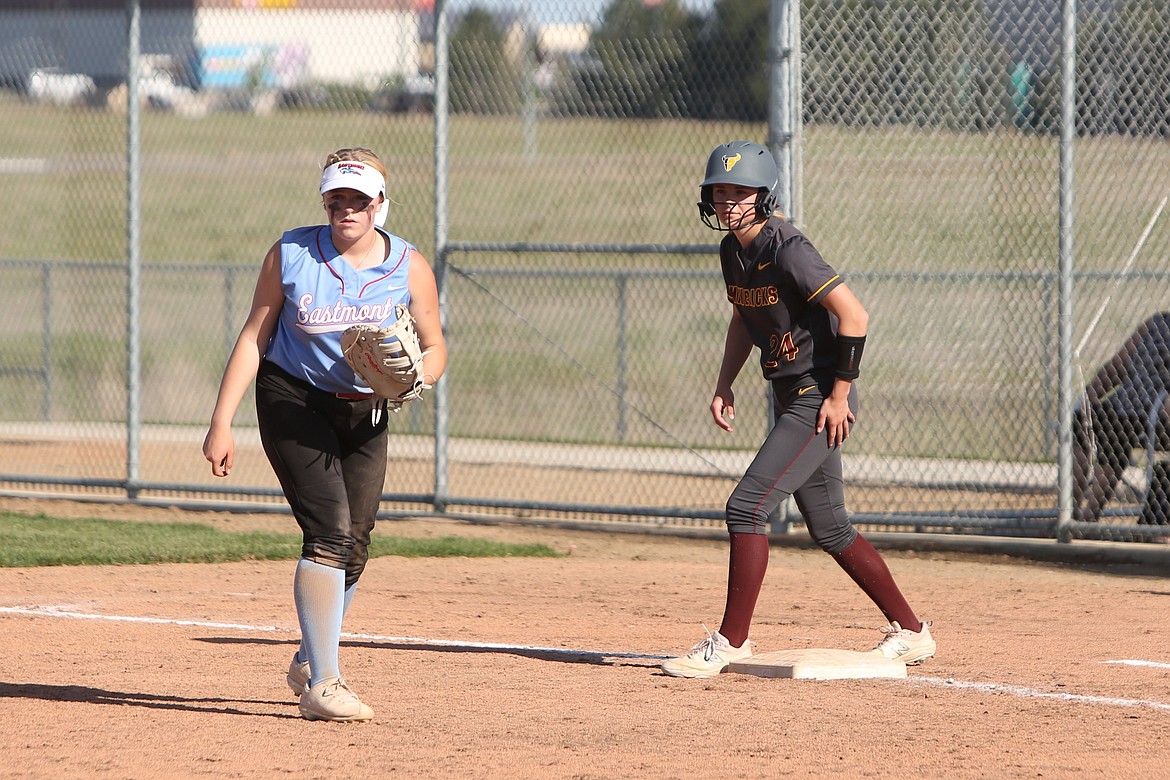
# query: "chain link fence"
(545, 156)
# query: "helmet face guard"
(744, 164)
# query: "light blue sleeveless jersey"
(324, 295)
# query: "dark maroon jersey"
(777, 283)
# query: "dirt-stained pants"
(330, 458)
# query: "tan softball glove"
(387, 359)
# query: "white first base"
(818, 664)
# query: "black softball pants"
(329, 455)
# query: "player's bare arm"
(736, 349)
(219, 445)
(852, 320)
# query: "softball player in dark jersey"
(810, 330)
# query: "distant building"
(217, 43)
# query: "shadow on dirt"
(554, 654)
(83, 694)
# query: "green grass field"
(51, 541)
(219, 189)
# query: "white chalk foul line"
(1133, 662)
(1012, 690)
(1032, 693)
(558, 651)
(55, 612)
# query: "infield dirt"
(547, 668)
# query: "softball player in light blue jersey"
(323, 430)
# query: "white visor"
(353, 175)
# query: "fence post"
(47, 340)
(622, 363)
(783, 119)
(229, 277)
(1064, 476)
(784, 102)
(133, 253)
(442, 86)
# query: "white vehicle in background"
(56, 86)
(158, 84)
(159, 89)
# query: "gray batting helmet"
(746, 164)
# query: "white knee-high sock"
(302, 653)
(319, 593)
(348, 598)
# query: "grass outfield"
(219, 189)
(41, 540)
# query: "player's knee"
(833, 540)
(356, 565)
(334, 552)
(743, 519)
(359, 552)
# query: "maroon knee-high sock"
(746, 565)
(865, 565)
